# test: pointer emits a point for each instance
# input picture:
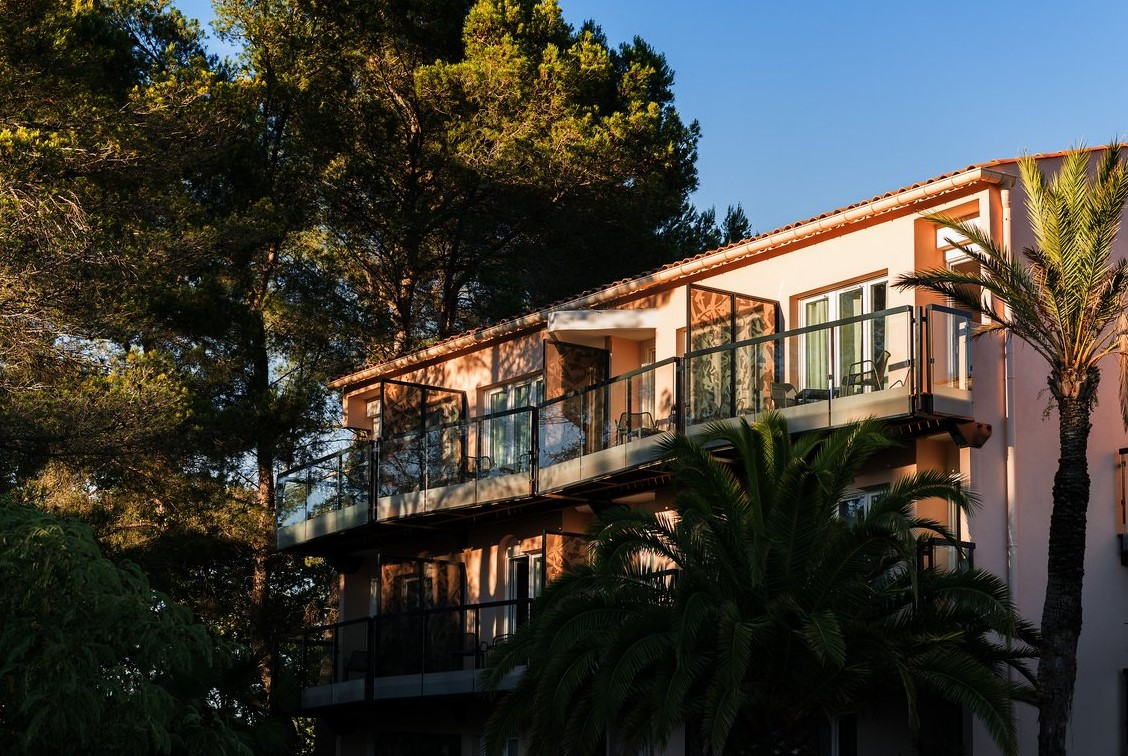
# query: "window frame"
(871, 338)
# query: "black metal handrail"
(464, 466)
(423, 641)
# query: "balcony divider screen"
(568, 370)
(726, 383)
(562, 552)
(422, 437)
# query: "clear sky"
(808, 106)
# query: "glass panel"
(355, 471)
(850, 346)
(561, 430)
(816, 357)
(400, 464)
(755, 367)
(710, 318)
(572, 367)
(326, 485)
(317, 657)
(710, 376)
(499, 430)
(399, 644)
(950, 350)
(563, 552)
(877, 304)
(710, 386)
(444, 455)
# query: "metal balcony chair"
(477, 467)
(635, 425)
(866, 374)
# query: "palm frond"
(782, 613)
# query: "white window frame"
(536, 578)
(863, 499)
(503, 431)
(833, 298)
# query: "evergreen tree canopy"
(93, 660)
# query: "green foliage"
(1067, 299)
(481, 159)
(93, 660)
(781, 614)
(163, 336)
(190, 247)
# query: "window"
(509, 439)
(849, 344)
(525, 582)
(856, 505)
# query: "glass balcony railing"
(890, 364)
(502, 444)
(947, 350)
(629, 407)
(856, 362)
(420, 460)
(329, 484)
(365, 651)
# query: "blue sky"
(808, 106)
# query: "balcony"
(430, 652)
(818, 376)
(327, 496)
(918, 371)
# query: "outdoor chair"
(477, 467)
(866, 374)
(635, 425)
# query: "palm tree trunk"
(1061, 613)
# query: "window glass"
(854, 345)
(857, 504)
(816, 351)
(510, 440)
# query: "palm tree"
(777, 613)
(1066, 302)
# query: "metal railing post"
(534, 452)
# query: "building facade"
(481, 460)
